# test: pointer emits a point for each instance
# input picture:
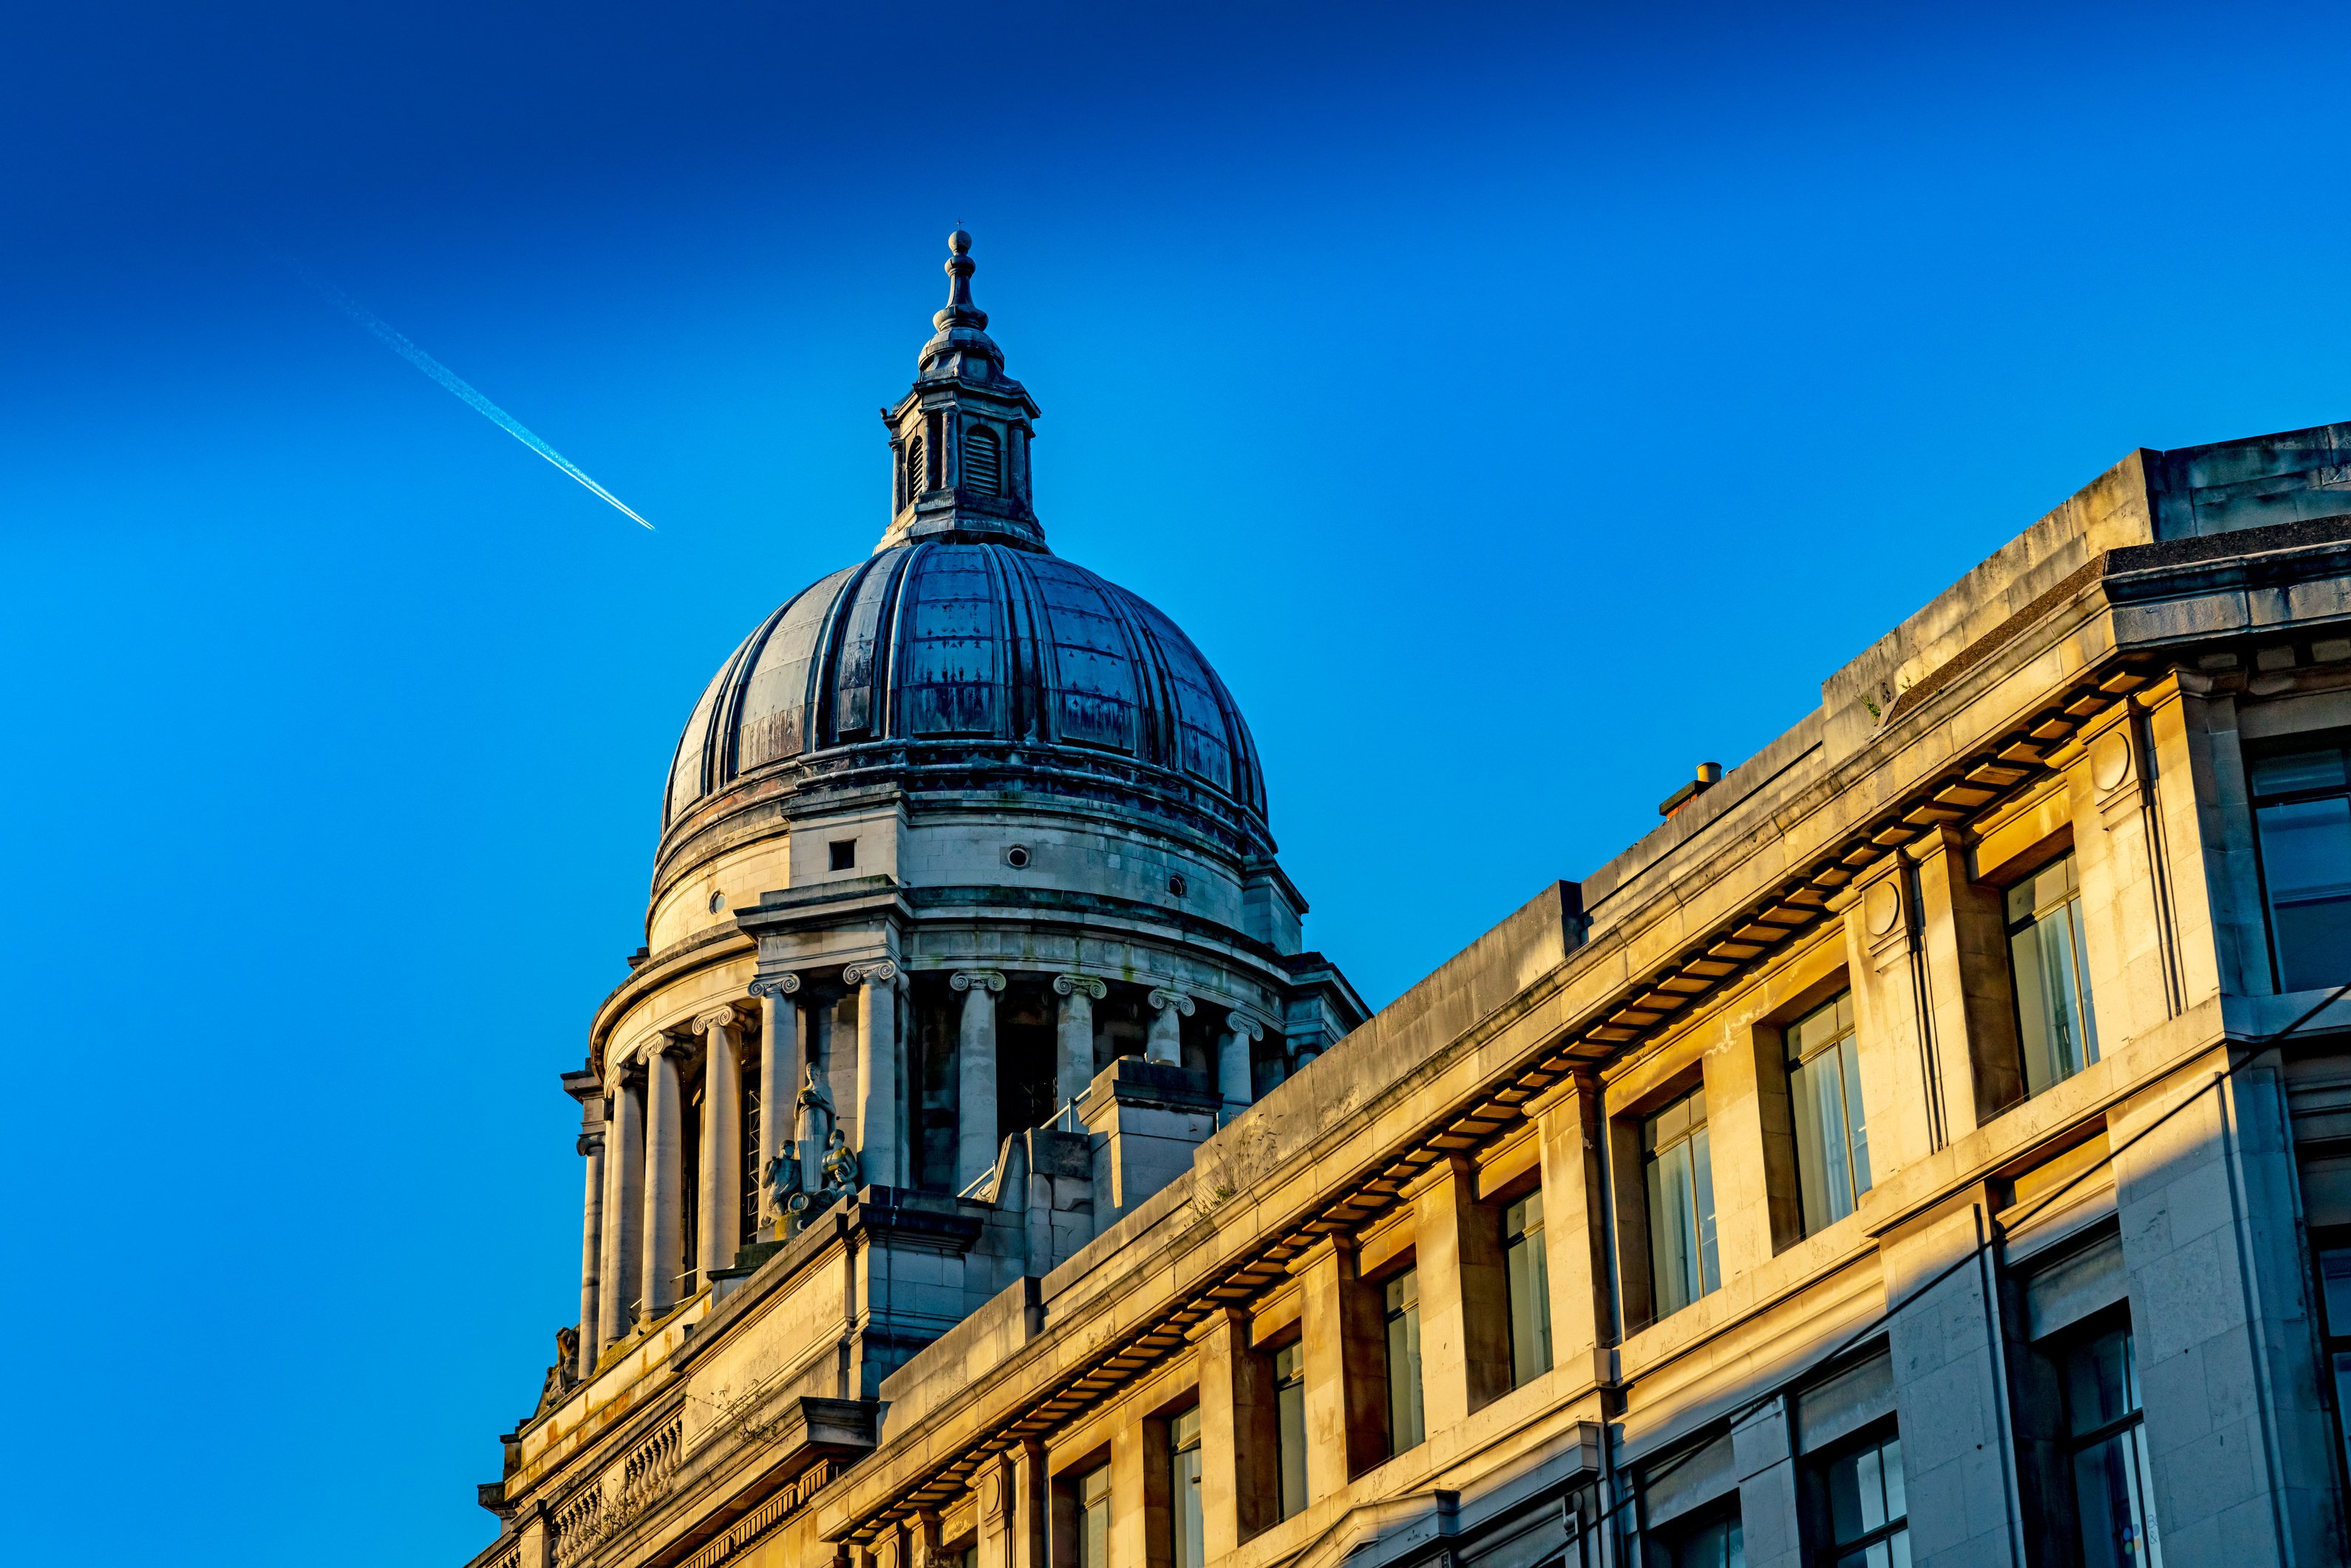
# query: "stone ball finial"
(960, 242)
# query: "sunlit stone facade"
(1930, 1144)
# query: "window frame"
(1187, 1511)
(1284, 1446)
(2132, 1424)
(2270, 750)
(1526, 1250)
(1705, 1252)
(1828, 1551)
(1844, 1047)
(1400, 1340)
(2072, 914)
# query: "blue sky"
(1519, 406)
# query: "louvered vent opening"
(983, 462)
(914, 469)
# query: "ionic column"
(584, 1088)
(877, 1071)
(1074, 1070)
(664, 1250)
(975, 1075)
(1233, 1080)
(722, 1141)
(1165, 1042)
(624, 1178)
(779, 1083)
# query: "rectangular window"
(2301, 804)
(1824, 1087)
(1186, 1547)
(1289, 1425)
(1403, 1302)
(844, 854)
(1717, 1543)
(1529, 1285)
(1682, 1261)
(2335, 1300)
(2045, 949)
(2106, 1439)
(1866, 1514)
(1094, 1519)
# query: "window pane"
(1897, 1501)
(1709, 1269)
(2334, 1287)
(1187, 1547)
(1404, 1362)
(1289, 1418)
(2306, 864)
(1673, 1236)
(1856, 1127)
(2101, 1384)
(1094, 1522)
(2301, 770)
(2107, 1493)
(2053, 1011)
(1825, 1178)
(1529, 1288)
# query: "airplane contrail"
(398, 344)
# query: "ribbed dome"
(969, 652)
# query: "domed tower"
(965, 902)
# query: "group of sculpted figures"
(814, 1125)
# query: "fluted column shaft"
(1165, 1040)
(975, 1076)
(878, 1156)
(624, 1166)
(1074, 1035)
(664, 1243)
(719, 1215)
(779, 1082)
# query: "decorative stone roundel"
(1880, 907)
(2110, 759)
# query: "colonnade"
(633, 1253)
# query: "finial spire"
(960, 310)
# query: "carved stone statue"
(839, 1167)
(815, 1113)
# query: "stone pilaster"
(1574, 1151)
(1240, 1472)
(1770, 1513)
(1465, 1306)
(1346, 1388)
(2237, 1429)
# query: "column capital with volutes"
(878, 972)
(977, 979)
(1248, 1026)
(776, 986)
(1070, 984)
(1164, 997)
(718, 1018)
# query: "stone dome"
(964, 664)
